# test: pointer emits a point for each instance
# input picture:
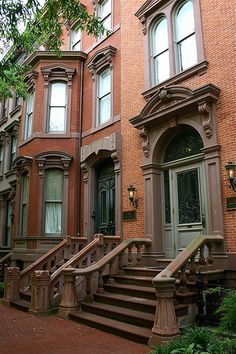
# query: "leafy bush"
(227, 310)
(198, 340)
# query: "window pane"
(107, 23)
(185, 21)
(23, 220)
(57, 119)
(105, 83)
(54, 180)
(105, 109)
(105, 8)
(58, 94)
(76, 40)
(24, 189)
(53, 218)
(29, 125)
(162, 67)
(188, 197)
(30, 101)
(187, 52)
(160, 38)
(1, 160)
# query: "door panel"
(105, 200)
(185, 204)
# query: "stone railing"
(109, 265)
(90, 254)
(53, 259)
(46, 288)
(165, 325)
(4, 262)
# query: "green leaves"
(26, 25)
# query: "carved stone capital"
(144, 23)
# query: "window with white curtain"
(24, 204)
(185, 36)
(104, 97)
(57, 107)
(29, 116)
(53, 201)
(76, 39)
(1, 160)
(105, 14)
(161, 51)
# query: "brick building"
(151, 106)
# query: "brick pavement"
(22, 333)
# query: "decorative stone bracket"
(204, 110)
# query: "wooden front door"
(185, 206)
(105, 199)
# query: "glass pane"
(13, 145)
(105, 109)
(104, 83)
(24, 189)
(57, 119)
(29, 125)
(76, 40)
(187, 52)
(53, 218)
(107, 23)
(162, 67)
(58, 94)
(54, 185)
(167, 197)
(105, 8)
(185, 144)
(160, 38)
(188, 197)
(1, 153)
(185, 21)
(30, 101)
(23, 219)
(103, 207)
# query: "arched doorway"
(184, 191)
(105, 198)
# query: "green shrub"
(1, 288)
(198, 340)
(227, 310)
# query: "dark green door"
(105, 198)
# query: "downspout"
(80, 140)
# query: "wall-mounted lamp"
(231, 168)
(133, 200)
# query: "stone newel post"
(11, 285)
(165, 325)
(69, 297)
(40, 292)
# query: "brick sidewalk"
(22, 333)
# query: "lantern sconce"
(133, 200)
(231, 167)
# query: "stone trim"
(39, 55)
(102, 58)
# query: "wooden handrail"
(183, 257)
(111, 255)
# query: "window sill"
(102, 126)
(3, 120)
(15, 110)
(9, 173)
(196, 70)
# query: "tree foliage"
(25, 25)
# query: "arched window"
(160, 51)
(185, 36)
(57, 107)
(53, 201)
(184, 144)
(104, 97)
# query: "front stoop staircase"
(127, 305)
(102, 285)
